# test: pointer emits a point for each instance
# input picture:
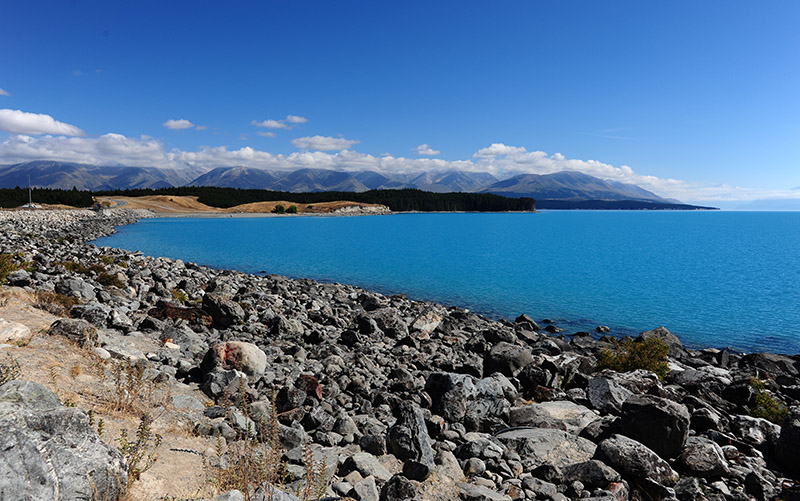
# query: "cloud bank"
(321, 152)
(324, 143)
(22, 122)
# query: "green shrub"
(7, 265)
(279, 209)
(180, 296)
(766, 406)
(292, 209)
(626, 356)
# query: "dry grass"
(174, 204)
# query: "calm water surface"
(712, 278)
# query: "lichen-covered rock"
(634, 459)
(245, 357)
(538, 446)
(48, 451)
(78, 330)
(703, 458)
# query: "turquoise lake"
(712, 278)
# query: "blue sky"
(694, 100)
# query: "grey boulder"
(245, 357)
(78, 330)
(538, 446)
(49, 451)
(634, 459)
(660, 424)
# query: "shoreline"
(568, 324)
(489, 407)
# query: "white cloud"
(21, 122)
(179, 124)
(202, 127)
(290, 122)
(4, 92)
(270, 124)
(324, 143)
(497, 149)
(106, 149)
(266, 133)
(425, 149)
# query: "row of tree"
(397, 200)
(14, 197)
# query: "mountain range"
(563, 186)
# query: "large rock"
(789, 442)
(566, 415)
(606, 395)
(409, 441)
(703, 458)
(634, 459)
(19, 278)
(428, 320)
(224, 311)
(245, 357)
(48, 451)
(76, 287)
(390, 322)
(506, 358)
(13, 331)
(592, 474)
(462, 398)
(660, 424)
(78, 330)
(538, 446)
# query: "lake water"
(712, 278)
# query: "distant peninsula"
(432, 191)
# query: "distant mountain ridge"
(563, 186)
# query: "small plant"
(315, 484)
(250, 462)
(626, 356)
(7, 265)
(292, 209)
(129, 385)
(96, 268)
(108, 279)
(766, 406)
(107, 260)
(141, 453)
(53, 302)
(279, 209)
(180, 296)
(9, 371)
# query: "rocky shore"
(402, 399)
